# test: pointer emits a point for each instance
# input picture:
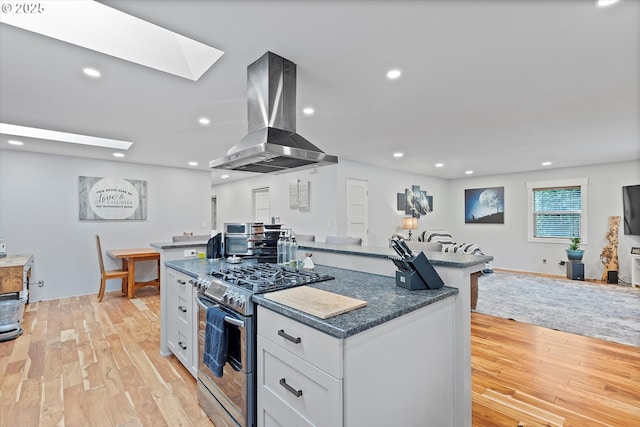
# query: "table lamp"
(410, 223)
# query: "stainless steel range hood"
(272, 144)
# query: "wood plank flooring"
(531, 376)
(84, 363)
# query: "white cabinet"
(398, 373)
(299, 374)
(182, 312)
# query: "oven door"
(233, 394)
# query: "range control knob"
(241, 301)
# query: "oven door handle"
(231, 320)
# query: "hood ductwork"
(272, 144)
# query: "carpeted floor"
(609, 312)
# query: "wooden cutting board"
(317, 302)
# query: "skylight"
(53, 135)
(94, 26)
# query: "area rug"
(609, 312)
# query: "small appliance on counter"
(240, 238)
(214, 246)
(414, 271)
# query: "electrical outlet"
(190, 253)
(562, 262)
(544, 261)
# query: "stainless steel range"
(230, 400)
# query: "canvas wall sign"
(111, 199)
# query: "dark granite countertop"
(173, 245)
(385, 300)
(444, 259)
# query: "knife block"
(421, 276)
(409, 280)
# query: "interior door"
(357, 192)
(261, 211)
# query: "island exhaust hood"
(272, 144)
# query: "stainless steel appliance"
(272, 144)
(230, 400)
(239, 238)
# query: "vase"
(575, 254)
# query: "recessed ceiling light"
(118, 155)
(15, 142)
(53, 135)
(393, 74)
(398, 154)
(468, 172)
(204, 121)
(546, 163)
(308, 111)
(605, 3)
(439, 165)
(224, 176)
(193, 163)
(138, 41)
(91, 72)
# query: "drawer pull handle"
(296, 393)
(283, 334)
(182, 282)
(182, 346)
(182, 308)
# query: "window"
(557, 210)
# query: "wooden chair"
(109, 274)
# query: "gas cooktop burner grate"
(260, 278)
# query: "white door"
(261, 212)
(357, 192)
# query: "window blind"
(557, 212)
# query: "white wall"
(327, 206)
(508, 243)
(39, 212)
(39, 215)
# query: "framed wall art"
(484, 205)
(111, 199)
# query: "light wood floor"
(84, 363)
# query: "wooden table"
(129, 258)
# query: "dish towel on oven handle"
(215, 341)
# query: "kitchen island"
(455, 270)
(397, 359)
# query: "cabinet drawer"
(182, 285)
(182, 347)
(183, 307)
(296, 388)
(314, 346)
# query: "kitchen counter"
(179, 245)
(444, 259)
(385, 300)
(441, 313)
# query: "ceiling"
(490, 86)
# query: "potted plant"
(574, 253)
